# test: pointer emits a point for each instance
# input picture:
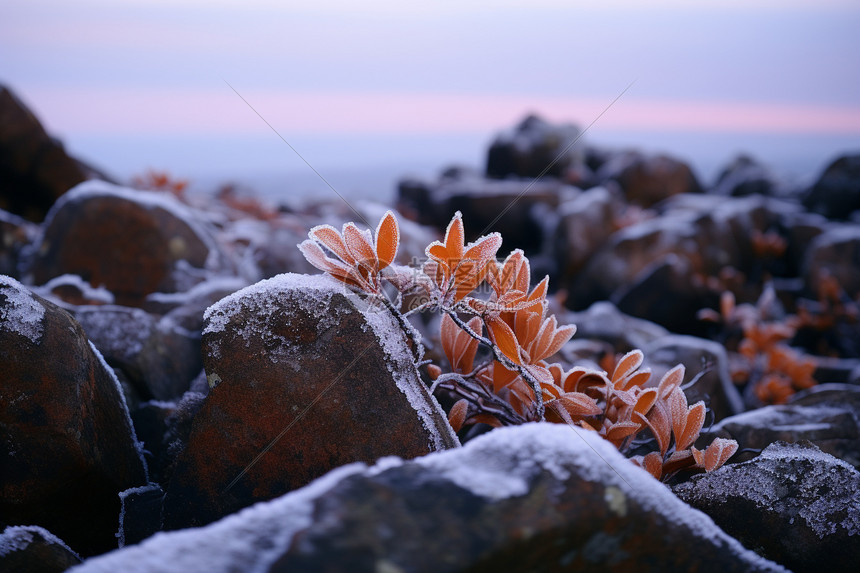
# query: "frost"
(405, 376)
(794, 479)
(100, 294)
(253, 538)
(138, 446)
(21, 313)
(118, 330)
(261, 304)
(19, 537)
(123, 497)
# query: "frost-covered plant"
(766, 363)
(511, 381)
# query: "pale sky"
(114, 77)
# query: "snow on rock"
(28, 548)
(67, 445)
(20, 313)
(794, 503)
(131, 242)
(305, 376)
(536, 497)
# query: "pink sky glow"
(121, 111)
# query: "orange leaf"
(645, 400)
(503, 337)
(387, 239)
(653, 464)
(328, 236)
(457, 415)
(620, 430)
(719, 452)
(578, 404)
(630, 362)
(660, 423)
(671, 380)
(695, 420)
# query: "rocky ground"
(183, 391)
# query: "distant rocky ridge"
(168, 363)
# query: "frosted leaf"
(21, 314)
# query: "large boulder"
(133, 243)
(537, 497)
(67, 446)
(306, 377)
(794, 504)
(34, 167)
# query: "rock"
(648, 179)
(794, 504)
(745, 176)
(585, 224)
(32, 549)
(537, 497)
(836, 194)
(67, 446)
(157, 355)
(709, 232)
(834, 253)
(706, 362)
(827, 417)
(667, 292)
(516, 209)
(603, 321)
(34, 167)
(131, 242)
(535, 148)
(15, 235)
(289, 349)
(140, 513)
(164, 428)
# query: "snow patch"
(99, 294)
(21, 314)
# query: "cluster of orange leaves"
(160, 181)
(775, 370)
(516, 383)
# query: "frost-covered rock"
(745, 176)
(648, 179)
(535, 148)
(139, 514)
(32, 549)
(828, 417)
(538, 497)
(156, 354)
(66, 441)
(793, 503)
(131, 242)
(706, 362)
(518, 209)
(305, 377)
(15, 234)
